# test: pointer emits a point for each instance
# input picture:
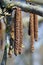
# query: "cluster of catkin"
(33, 29)
(18, 28)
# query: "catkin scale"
(32, 31)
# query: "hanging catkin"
(21, 32)
(36, 27)
(17, 31)
(29, 21)
(32, 31)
